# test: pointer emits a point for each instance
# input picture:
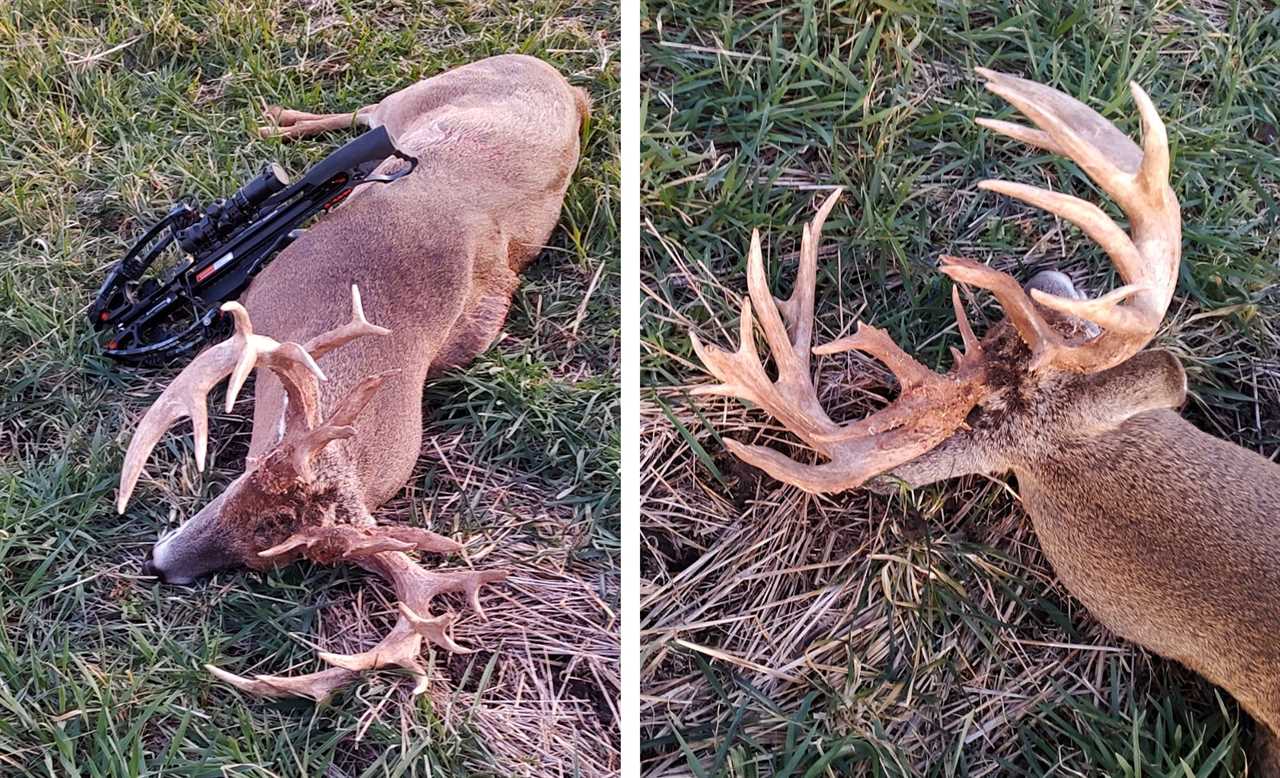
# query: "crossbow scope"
(153, 320)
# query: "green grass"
(922, 634)
(109, 111)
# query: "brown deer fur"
(1169, 536)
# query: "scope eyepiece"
(272, 179)
(224, 217)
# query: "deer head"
(1058, 360)
(279, 492)
(300, 499)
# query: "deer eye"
(274, 526)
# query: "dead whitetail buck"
(338, 421)
(1168, 535)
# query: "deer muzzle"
(196, 549)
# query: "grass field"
(922, 634)
(109, 111)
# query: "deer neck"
(1069, 410)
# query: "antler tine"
(281, 357)
(184, 398)
(318, 686)
(307, 442)
(797, 309)
(972, 348)
(1146, 260)
(401, 647)
(358, 327)
(1036, 332)
(792, 398)
(330, 543)
(303, 407)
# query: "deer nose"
(149, 567)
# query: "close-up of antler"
(1073, 424)
(931, 407)
(289, 465)
(1146, 258)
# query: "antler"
(356, 539)
(358, 327)
(415, 588)
(1146, 259)
(929, 408)
(237, 356)
(305, 438)
(377, 549)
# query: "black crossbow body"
(152, 321)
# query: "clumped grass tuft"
(108, 113)
(924, 633)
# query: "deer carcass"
(337, 421)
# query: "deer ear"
(1173, 375)
(1060, 285)
(1149, 380)
(1054, 282)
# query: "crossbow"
(152, 319)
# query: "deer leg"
(284, 117)
(494, 282)
(1262, 704)
(285, 123)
